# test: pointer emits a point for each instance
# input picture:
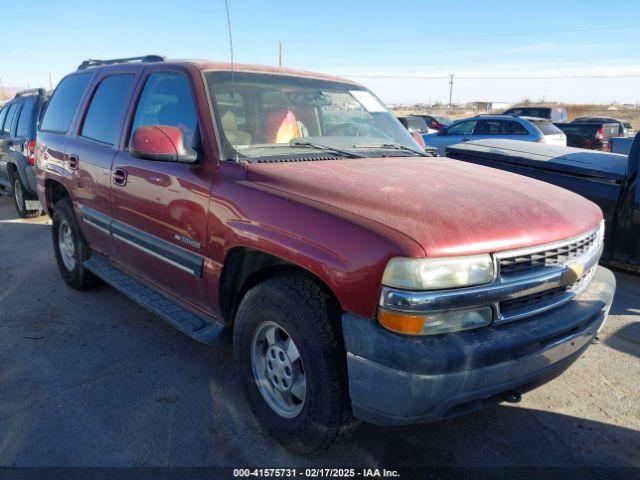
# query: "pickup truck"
(607, 179)
(291, 214)
(621, 145)
(589, 135)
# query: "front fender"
(347, 252)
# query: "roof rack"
(31, 91)
(98, 63)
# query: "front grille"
(529, 260)
(508, 308)
(525, 306)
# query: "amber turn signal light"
(401, 323)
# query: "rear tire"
(70, 247)
(299, 312)
(19, 200)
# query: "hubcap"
(17, 189)
(66, 246)
(278, 370)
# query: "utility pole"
(50, 84)
(279, 54)
(451, 89)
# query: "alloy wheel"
(278, 370)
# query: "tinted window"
(462, 128)
(64, 103)
(166, 100)
(489, 127)
(547, 128)
(530, 112)
(9, 119)
(25, 120)
(515, 128)
(105, 111)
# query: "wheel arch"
(54, 192)
(246, 267)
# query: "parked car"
(417, 127)
(496, 126)
(609, 180)
(18, 125)
(592, 136)
(554, 114)
(435, 122)
(358, 277)
(624, 128)
(621, 145)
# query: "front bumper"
(394, 379)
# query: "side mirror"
(443, 132)
(162, 143)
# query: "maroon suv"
(358, 277)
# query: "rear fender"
(20, 164)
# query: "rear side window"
(167, 100)
(25, 120)
(547, 128)
(105, 111)
(9, 119)
(514, 128)
(64, 103)
(489, 127)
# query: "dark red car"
(358, 277)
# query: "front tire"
(19, 200)
(292, 363)
(70, 247)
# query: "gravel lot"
(91, 379)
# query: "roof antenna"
(235, 133)
(226, 3)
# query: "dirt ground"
(90, 379)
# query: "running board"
(184, 320)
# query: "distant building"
(490, 106)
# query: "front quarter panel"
(345, 251)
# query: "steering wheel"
(351, 129)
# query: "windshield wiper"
(397, 146)
(318, 146)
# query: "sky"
(403, 50)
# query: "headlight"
(438, 273)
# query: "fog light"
(435, 322)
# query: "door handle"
(119, 177)
(73, 161)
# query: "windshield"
(264, 115)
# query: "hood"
(447, 206)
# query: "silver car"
(527, 129)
